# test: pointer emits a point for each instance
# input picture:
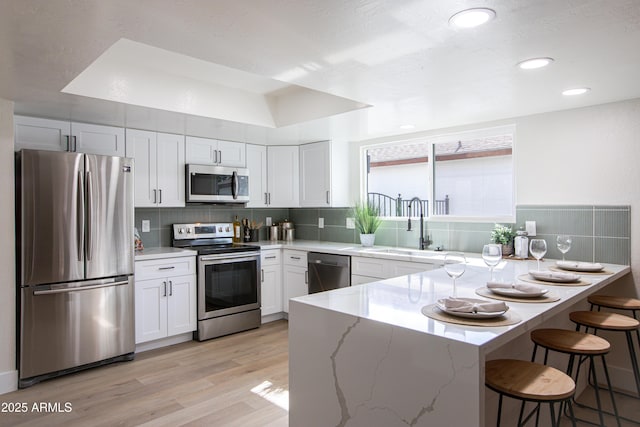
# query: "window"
(471, 176)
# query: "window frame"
(432, 140)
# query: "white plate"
(512, 292)
(550, 276)
(579, 266)
(479, 315)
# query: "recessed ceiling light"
(576, 91)
(407, 126)
(533, 63)
(472, 17)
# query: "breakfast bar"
(367, 355)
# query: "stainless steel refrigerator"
(75, 262)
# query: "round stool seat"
(528, 380)
(571, 342)
(603, 320)
(620, 303)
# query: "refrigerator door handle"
(90, 208)
(80, 217)
(79, 288)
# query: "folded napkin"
(525, 289)
(554, 275)
(575, 265)
(464, 306)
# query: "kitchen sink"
(400, 251)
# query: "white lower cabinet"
(295, 275)
(271, 282)
(165, 304)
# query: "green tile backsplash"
(600, 233)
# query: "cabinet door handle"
(167, 268)
(306, 276)
(295, 257)
(68, 143)
(215, 156)
(164, 284)
(328, 198)
(262, 275)
(266, 198)
(219, 156)
(75, 144)
(269, 199)
(155, 196)
(160, 192)
(270, 257)
(170, 288)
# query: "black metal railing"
(390, 206)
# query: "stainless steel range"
(228, 279)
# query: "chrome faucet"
(423, 243)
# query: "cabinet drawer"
(298, 258)
(272, 257)
(166, 267)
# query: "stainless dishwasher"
(328, 271)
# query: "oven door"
(228, 283)
(217, 184)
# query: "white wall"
(8, 373)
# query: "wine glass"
(492, 254)
(538, 248)
(454, 265)
(564, 244)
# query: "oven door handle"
(222, 257)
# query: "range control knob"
(227, 229)
(189, 230)
(181, 230)
(220, 229)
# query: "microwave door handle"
(234, 185)
(80, 217)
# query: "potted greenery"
(367, 222)
(503, 235)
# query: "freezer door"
(50, 219)
(109, 216)
(72, 324)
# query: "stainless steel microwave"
(216, 184)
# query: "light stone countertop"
(164, 252)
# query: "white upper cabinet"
(324, 172)
(283, 176)
(257, 165)
(97, 139)
(57, 135)
(159, 168)
(205, 151)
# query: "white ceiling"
(400, 56)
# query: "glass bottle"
(237, 230)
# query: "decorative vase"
(367, 239)
(507, 249)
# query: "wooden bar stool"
(530, 382)
(600, 320)
(585, 347)
(618, 303)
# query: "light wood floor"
(238, 380)
(189, 384)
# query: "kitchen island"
(367, 356)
